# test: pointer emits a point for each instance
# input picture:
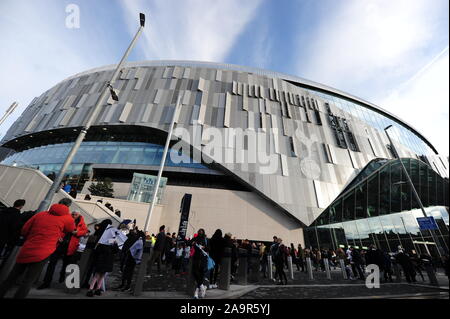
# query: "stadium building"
(262, 153)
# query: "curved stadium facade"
(263, 153)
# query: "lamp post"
(8, 112)
(163, 161)
(416, 195)
(101, 100)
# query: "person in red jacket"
(42, 234)
(66, 251)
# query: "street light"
(8, 112)
(101, 100)
(163, 160)
(416, 195)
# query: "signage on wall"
(143, 186)
(427, 223)
(184, 218)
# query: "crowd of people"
(58, 234)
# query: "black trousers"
(357, 270)
(128, 270)
(31, 271)
(54, 258)
(264, 265)
(410, 274)
(156, 256)
(280, 271)
(300, 264)
(214, 274)
(199, 264)
(387, 274)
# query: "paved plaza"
(164, 286)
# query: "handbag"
(210, 262)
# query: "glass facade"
(49, 158)
(380, 209)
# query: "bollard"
(225, 270)
(309, 267)
(254, 266)
(398, 274)
(242, 268)
(9, 263)
(291, 270)
(270, 266)
(191, 285)
(142, 268)
(327, 268)
(343, 270)
(431, 274)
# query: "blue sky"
(392, 53)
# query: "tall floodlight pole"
(416, 195)
(101, 100)
(163, 161)
(8, 112)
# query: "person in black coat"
(279, 258)
(10, 227)
(228, 242)
(375, 256)
(217, 249)
(407, 265)
(158, 250)
(357, 263)
(132, 237)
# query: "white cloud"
(261, 53)
(368, 48)
(190, 29)
(358, 41)
(423, 101)
(39, 51)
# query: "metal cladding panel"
(300, 166)
(125, 112)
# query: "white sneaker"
(202, 291)
(196, 293)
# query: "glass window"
(432, 182)
(406, 194)
(396, 189)
(361, 201)
(440, 191)
(376, 230)
(424, 188)
(324, 236)
(390, 231)
(349, 207)
(373, 199)
(350, 232)
(385, 190)
(415, 177)
(364, 232)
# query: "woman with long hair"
(108, 245)
(199, 262)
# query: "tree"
(102, 188)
